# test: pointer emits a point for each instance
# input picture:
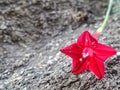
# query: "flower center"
(87, 52)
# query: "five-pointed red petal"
(72, 50)
(88, 54)
(103, 51)
(97, 67)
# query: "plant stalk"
(101, 28)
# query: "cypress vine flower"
(88, 54)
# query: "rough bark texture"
(33, 31)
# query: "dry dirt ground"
(33, 31)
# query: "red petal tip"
(62, 50)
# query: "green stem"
(101, 28)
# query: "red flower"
(88, 54)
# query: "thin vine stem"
(101, 28)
